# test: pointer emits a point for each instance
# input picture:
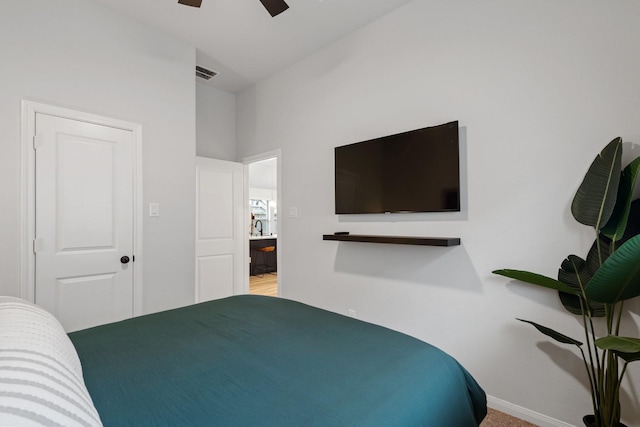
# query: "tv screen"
(415, 171)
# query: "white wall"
(79, 54)
(541, 87)
(215, 123)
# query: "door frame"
(28, 191)
(277, 153)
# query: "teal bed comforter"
(251, 360)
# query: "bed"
(251, 360)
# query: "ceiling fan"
(274, 7)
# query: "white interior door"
(84, 180)
(220, 229)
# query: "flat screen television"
(415, 171)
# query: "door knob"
(124, 259)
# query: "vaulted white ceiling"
(243, 43)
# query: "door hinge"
(37, 245)
(37, 141)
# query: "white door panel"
(216, 204)
(85, 186)
(84, 221)
(219, 267)
(219, 228)
(99, 295)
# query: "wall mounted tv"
(415, 171)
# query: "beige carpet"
(498, 419)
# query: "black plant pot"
(590, 421)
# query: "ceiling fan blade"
(194, 3)
(274, 7)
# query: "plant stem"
(591, 381)
(610, 381)
(591, 371)
(612, 407)
(617, 392)
(599, 246)
(619, 317)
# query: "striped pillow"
(41, 381)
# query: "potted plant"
(599, 285)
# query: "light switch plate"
(154, 209)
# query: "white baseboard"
(524, 413)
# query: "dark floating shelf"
(395, 240)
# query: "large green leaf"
(575, 271)
(623, 344)
(561, 338)
(633, 223)
(628, 357)
(536, 279)
(598, 254)
(614, 229)
(596, 197)
(618, 278)
(624, 347)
